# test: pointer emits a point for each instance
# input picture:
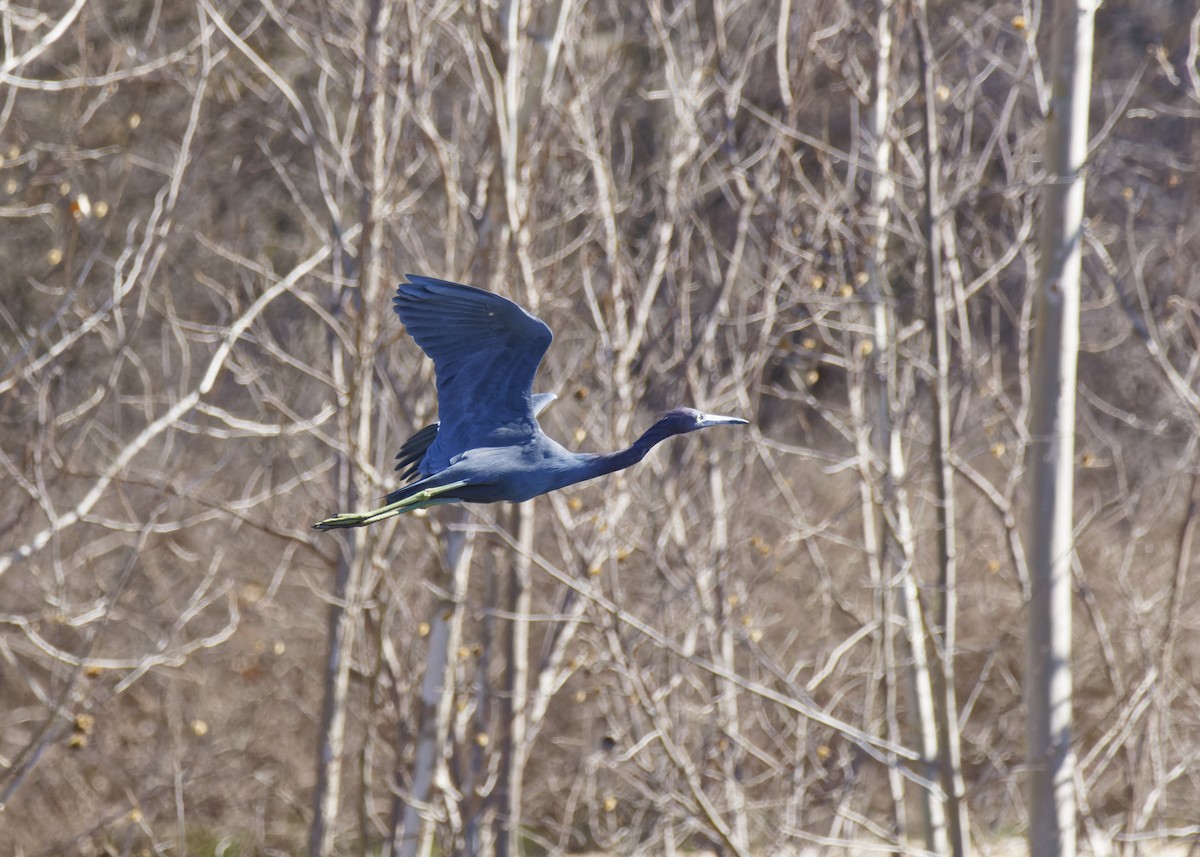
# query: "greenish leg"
(420, 500)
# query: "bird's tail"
(407, 501)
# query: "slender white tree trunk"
(515, 707)
(719, 626)
(331, 737)
(871, 452)
(345, 604)
(920, 686)
(1051, 450)
(945, 632)
(897, 543)
(413, 836)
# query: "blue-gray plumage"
(487, 445)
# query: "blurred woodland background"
(742, 645)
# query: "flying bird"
(487, 445)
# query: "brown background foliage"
(182, 193)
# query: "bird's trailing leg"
(420, 500)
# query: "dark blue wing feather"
(412, 451)
(485, 351)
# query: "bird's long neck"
(614, 461)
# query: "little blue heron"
(487, 445)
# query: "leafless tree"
(799, 636)
(1051, 450)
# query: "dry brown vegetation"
(204, 207)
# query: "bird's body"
(514, 473)
(487, 446)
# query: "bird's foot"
(342, 521)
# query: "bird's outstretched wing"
(485, 350)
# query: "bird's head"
(684, 420)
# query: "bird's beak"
(706, 420)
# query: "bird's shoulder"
(534, 450)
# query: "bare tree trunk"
(331, 738)
(714, 602)
(872, 452)
(515, 708)
(897, 541)
(343, 609)
(413, 835)
(477, 829)
(1051, 451)
(874, 551)
(944, 632)
(897, 544)
(923, 704)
